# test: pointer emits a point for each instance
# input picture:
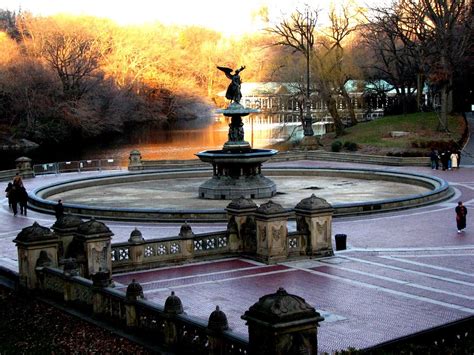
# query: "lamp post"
(308, 120)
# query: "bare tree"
(444, 39)
(395, 52)
(342, 25)
(297, 33)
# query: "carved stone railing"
(297, 244)
(155, 252)
(179, 333)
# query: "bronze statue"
(233, 91)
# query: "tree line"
(66, 79)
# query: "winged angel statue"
(233, 91)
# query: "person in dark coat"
(9, 194)
(461, 212)
(59, 209)
(434, 159)
(22, 199)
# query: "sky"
(230, 18)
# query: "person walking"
(59, 209)
(454, 160)
(17, 181)
(13, 199)
(434, 159)
(461, 212)
(9, 195)
(22, 199)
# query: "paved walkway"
(403, 272)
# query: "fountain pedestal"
(237, 167)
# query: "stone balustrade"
(73, 265)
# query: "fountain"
(237, 167)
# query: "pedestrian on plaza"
(17, 181)
(448, 155)
(22, 199)
(434, 159)
(444, 157)
(461, 212)
(454, 160)
(13, 199)
(9, 194)
(59, 209)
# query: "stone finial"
(44, 260)
(134, 291)
(218, 321)
(241, 203)
(270, 208)
(186, 231)
(70, 267)
(313, 203)
(34, 233)
(136, 236)
(173, 305)
(67, 223)
(101, 279)
(93, 228)
(281, 307)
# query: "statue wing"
(227, 71)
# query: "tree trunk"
(349, 105)
(332, 108)
(419, 92)
(443, 114)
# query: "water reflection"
(261, 130)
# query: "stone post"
(282, 324)
(65, 228)
(70, 270)
(136, 248)
(241, 225)
(216, 325)
(100, 280)
(272, 232)
(95, 238)
(187, 243)
(23, 164)
(134, 293)
(135, 161)
(314, 217)
(173, 307)
(33, 242)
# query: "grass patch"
(375, 136)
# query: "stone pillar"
(65, 228)
(95, 238)
(241, 225)
(33, 242)
(134, 293)
(272, 232)
(100, 280)
(216, 325)
(187, 243)
(282, 324)
(70, 270)
(23, 164)
(173, 307)
(314, 217)
(137, 251)
(135, 161)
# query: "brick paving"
(403, 272)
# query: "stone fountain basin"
(128, 196)
(229, 156)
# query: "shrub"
(350, 146)
(336, 146)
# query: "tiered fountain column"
(237, 167)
